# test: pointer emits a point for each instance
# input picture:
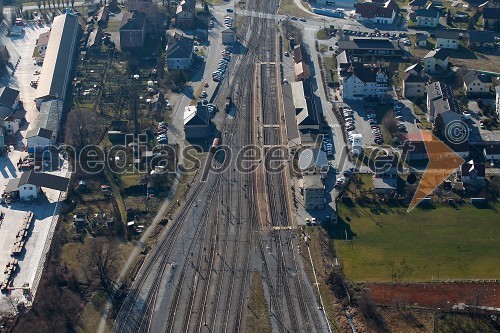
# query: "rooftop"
(44, 180)
(41, 132)
(490, 13)
(481, 36)
(473, 76)
(448, 33)
(440, 54)
(196, 115)
(372, 10)
(312, 182)
(8, 96)
(432, 13)
(56, 68)
(179, 46)
(370, 43)
(133, 21)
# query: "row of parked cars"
(327, 145)
(398, 111)
(223, 63)
(376, 133)
(162, 133)
(350, 125)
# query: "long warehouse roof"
(57, 63)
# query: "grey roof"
(438, 89)
(196, 115)
(313, 182)
(299, 100)
(50, 116)
(133, 21)
(440, 54)
(179, 46)
(12, 185)
(433, 13)
(421, 37)
(447, 33)
(5, 111)
(481, 36)
(367, 73)
(473, 76)
(56, 68)
(308, 115)
(8, 96)
(41, 132)
(497, 89)
(385, 183)
(372, 43)
(342, 61)
(313, 158)
(44, 180)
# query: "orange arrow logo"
(442, 162)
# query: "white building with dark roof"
(447, 39)
(440, 100)
(31, 182)
(477, 83)
(361, 81)
(59, 59)
(196, 121)
(179, 51)
(436, 61)
(38, 139)
(414, 79)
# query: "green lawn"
(462, 243)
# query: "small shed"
(229, 36)
(421, 39)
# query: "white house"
(179, 51)
(31, 182)
(428, 18)
(374, 13)
(359, 82)
(313, 192)
(447, 39)
(414, 80)
(436, 61)
(476, 83)
(491, 153)
(38, 138)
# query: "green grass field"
(461, 243)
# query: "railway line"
(205, 288)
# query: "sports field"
(393, 245)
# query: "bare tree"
(390, 122)
(82, 129)
(102, 259)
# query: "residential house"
(447, 39)
(196, 121)
(481, 38)
(436, 61)
(360, 81)
(374, 13)
(497, 100)
(477, 83)
(371, 48)
(11, 124)
(417, 4)
(38, 139)
(440, 99)
(302, 71)
(421, 39)
(313, 192)
(229, 36)
(491, 153)
(179, 51)
(491, 18)
(30, 184)
(414, 80)
(386, 182)
(132, 30)
(473, 173)
(185, 13)
(427, 18)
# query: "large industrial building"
(59, 59)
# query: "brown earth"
(436, 295)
